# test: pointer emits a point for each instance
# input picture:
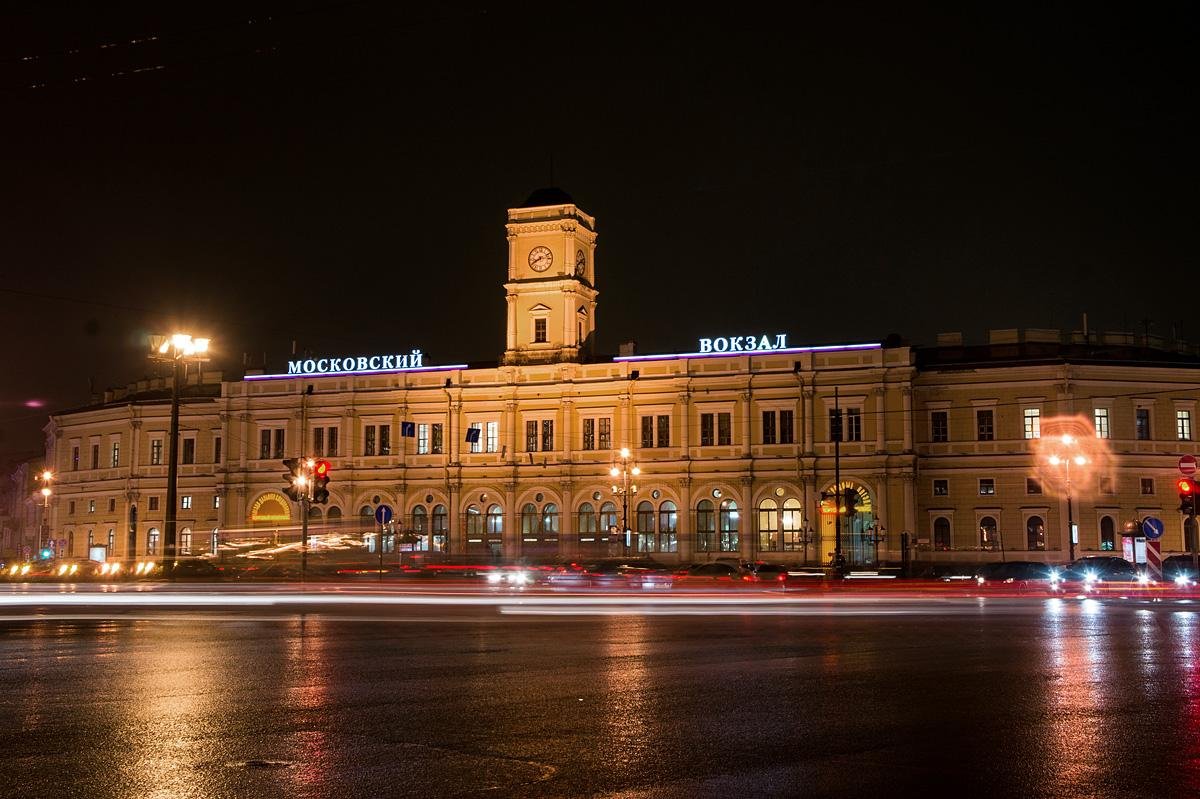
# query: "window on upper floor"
(787, 427)
(1142, 424)
(153, 503)
(1033, 485)
(531, 435)
(1183, 425)
(547, 435)
(939, 426)
(491, 437)
(74, 459)
(435, 438)
(597, 433)
(95, 456)
(985, 425)
(1147, 485)
(185, 502)
(724, 429)
(769, 430)
(188, 455)
(216, 449)
(271, 443)
(156, 452)
(941, 488)
(987, 486)
(1033, 422)
(115, 455)
(656, 431)
(539, 331)
(1100, 419)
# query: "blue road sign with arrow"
(1152, 528)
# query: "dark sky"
(337, 173)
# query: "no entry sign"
(1187, 465)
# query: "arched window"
(668, 520)
(645, 527)
(989, 536)
(706, 527)
(768, 525)
(185, 541)
(333, 513)
(152, 541)
(729, 526)
(420, 520)
(550, 519)
(366, 516)
(314, 513)
(793, 523)
(941, 534)
(1108, 534)
(529, 519)
(91, 541)
(608, 517)
(440, 527)
(587, 520)
(1035, 533)
(112, 540)
(495, 520)
(474, 523)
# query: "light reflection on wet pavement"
(1054, 697)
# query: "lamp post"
(1065, 461)
(44, 530)
(808, 536)
(177, 350)
(876, 534)
(626, 470)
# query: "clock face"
(580, 262)
(540, 259)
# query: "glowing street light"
(1066, 461)
(178, 350)
(626, 471)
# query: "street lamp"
(876, 534)
(44, 533)
(1065, 461)
(177, 350)
(626, 470)
(808, 536)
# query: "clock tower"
(551, 280)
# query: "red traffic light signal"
(1186, 486)
(320, 472)
(320, 468)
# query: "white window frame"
(1031, 423)
(991, 493)
(1102, 412)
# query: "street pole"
(172, 474)
(1195, 542)
(306, 497)
(1071, 517)
(837, 485)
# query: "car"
(1096, 573)
(615, 573)
(1178, 570)
(774, 574)
(1015, 575)
(713, 573)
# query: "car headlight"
(1090, 577)
(1055, 576)
(520, 578)
(1144, 579)
(1182, 581)
(495, 577)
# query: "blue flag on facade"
(473, 435)
(408, 429)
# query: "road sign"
(1152, 528)
(1187, 465)
(383, 514)
(1154, 559)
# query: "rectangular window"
(941, 488)
(605, 434)
(185, 543)
(385, 439)
(318, 446)
(539, 331)
(435, 439)
(647, 432)
(835, 425)
(217, 449)
(706, 430)
(987, 486)
(91, 506)
(664, 431)
(185, 502)
(153, 503)
(1033, 485)
(547, 435)
(369, 440)
(589, 433)
(939, 426)
(724, 429)
(985, 425)
(189, 451)
(216, 501)
(787, 427)
(768, 427)
(477, 445)
(853, 424)
(1100, 415)
(1183, 426)
(531, 430)
(74, 459)
(279, 441)
(95, 456)
(422, 439)
(112, 505)
(71, 508)
(1106, 486)
(1033, 423)
(493, 436)
(264, 441)
(115, 460)
(1143, 424)
(331, 442)
(156, 455)
(1147, 485)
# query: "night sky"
(337, 173)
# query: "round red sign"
(1187, 465)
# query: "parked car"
(1178, 570)
(1095, 573)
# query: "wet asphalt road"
(1043, 697)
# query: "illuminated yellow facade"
(733, 442)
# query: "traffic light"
(320, 478)
(851, 501)
(1187, 495)
(294, 479)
